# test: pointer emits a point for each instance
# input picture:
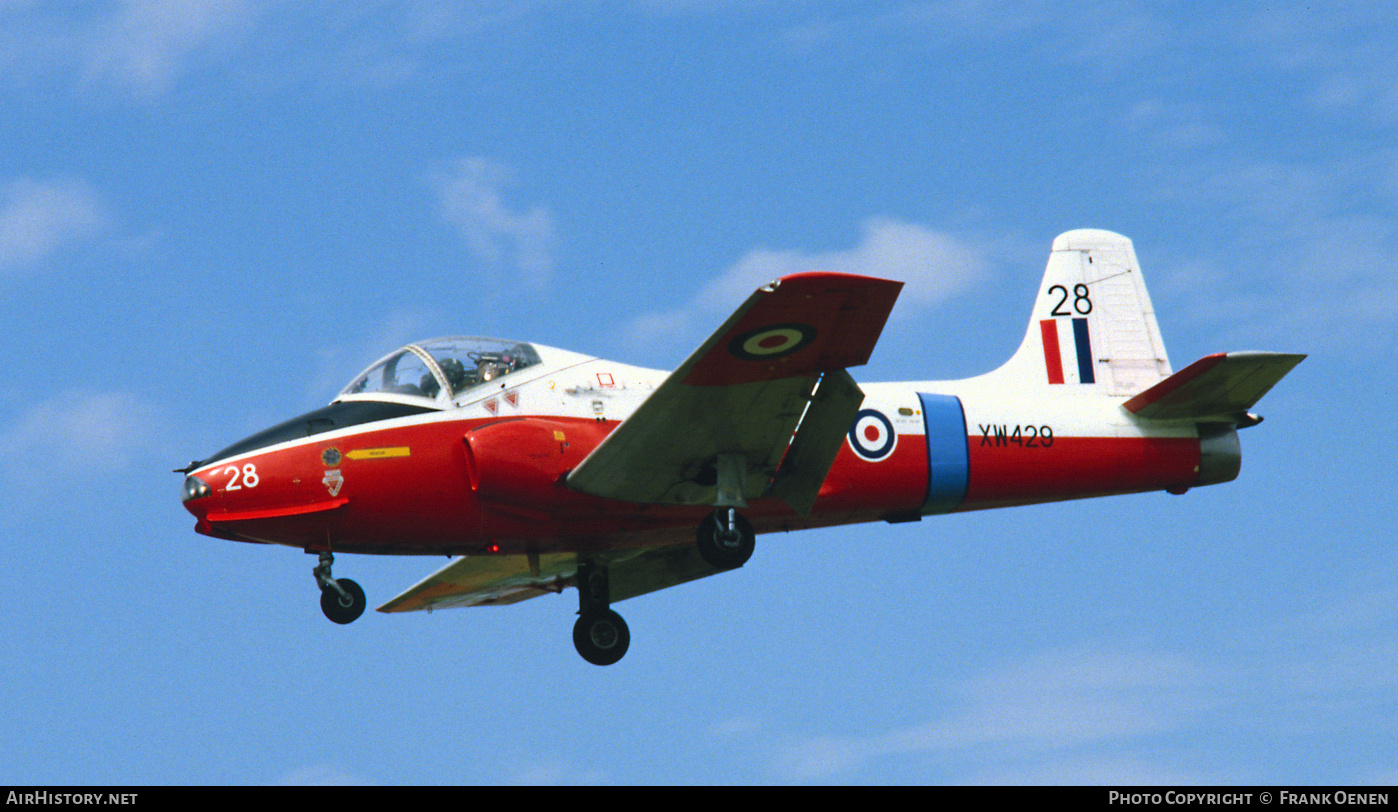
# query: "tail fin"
(1093, 327)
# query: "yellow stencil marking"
(379, 453)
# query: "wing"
(717, 431)
(1222, 386)
(501, 579)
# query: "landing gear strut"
(726, 539)
(600, 635)
(341, 600)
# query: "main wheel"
(601, 637)
(340, 608)
(723, 548)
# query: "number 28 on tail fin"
(1093, 324)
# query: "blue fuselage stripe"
(948, 458)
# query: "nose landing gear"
(341, 600)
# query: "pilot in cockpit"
(491, 365)
(457, 377)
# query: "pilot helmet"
(455, 373)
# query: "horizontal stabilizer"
(1216, 387)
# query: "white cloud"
(147, 47)
(1382, 777)
(1327, 267)
(1051, 703)
(95, 433)
(469, 197)
(147, 44)
(1121, 33)
(1074, 770)
(38, 218)
(143, 46)
(1344, 58)
(934, 265)
(1098, 716)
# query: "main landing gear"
(600, 635)
(725, 540)
(341, 600)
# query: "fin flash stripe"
(1079, 351)
(1053, 357)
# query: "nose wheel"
(342, 600)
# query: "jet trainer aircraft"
(543, 469)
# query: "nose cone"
(194, 488)
(271, 496)
(197, 497)
(225, 497)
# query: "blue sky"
(213, 213)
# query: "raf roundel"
(872, 436)
(772, 342)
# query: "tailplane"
(1217, 388)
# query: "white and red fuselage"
(545, 469)
(487, 475)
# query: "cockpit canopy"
(440, 371)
